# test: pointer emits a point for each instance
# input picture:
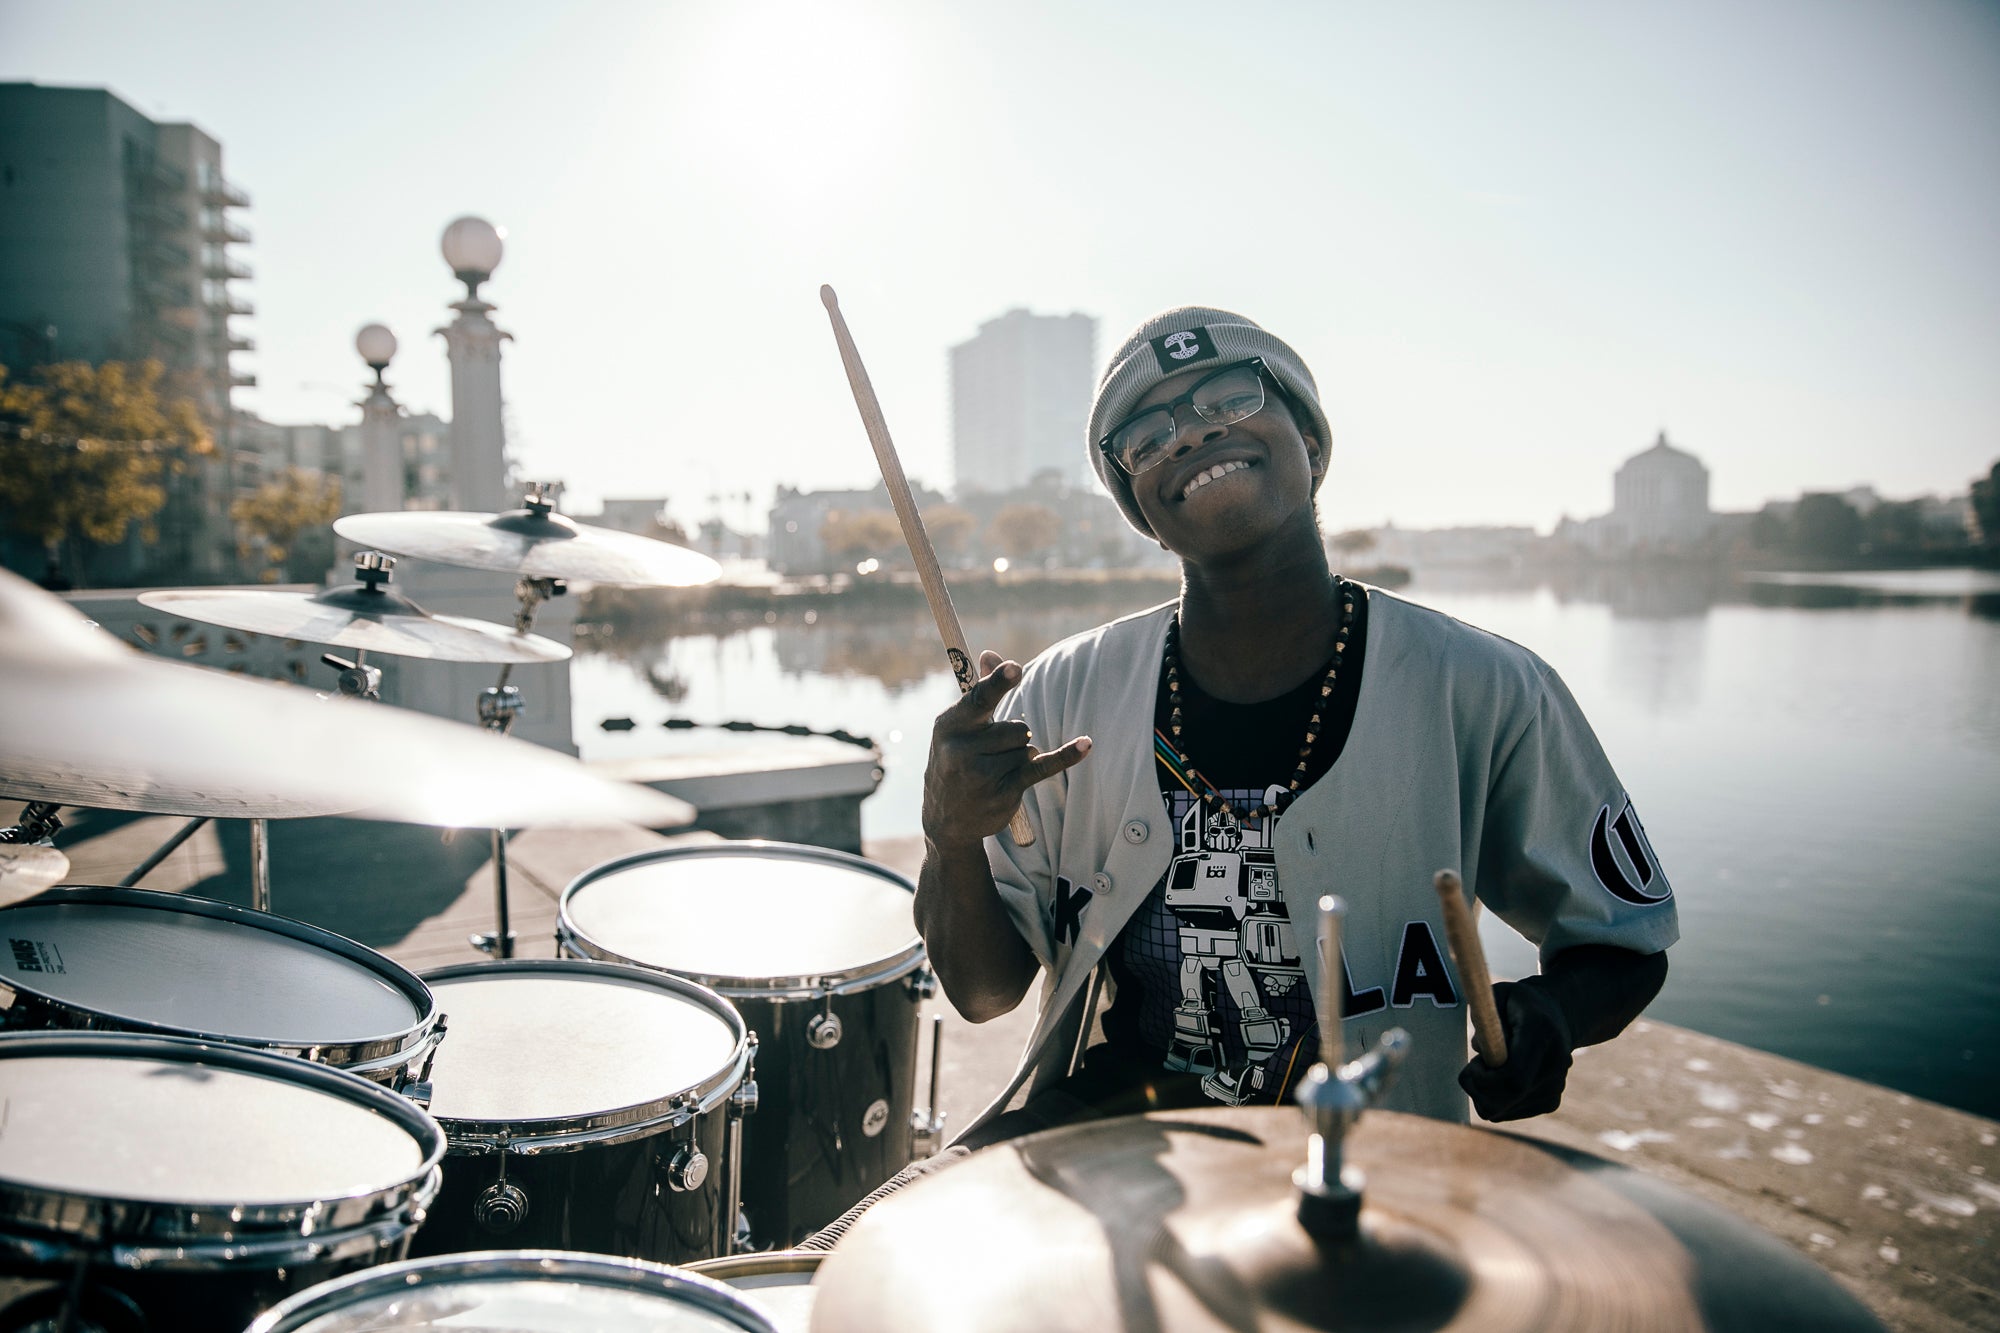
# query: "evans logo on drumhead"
(34, 956)
(876, 1118)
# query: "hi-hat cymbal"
(374, 620)
(87, 721)
(531, 543)
(1173, 1222)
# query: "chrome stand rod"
(163, 851)
(260, 864)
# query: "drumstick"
(1463, 938)
(912, 522)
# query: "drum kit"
(215, 1117)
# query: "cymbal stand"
(499, 704)
(38, 824)
(1335, 1093)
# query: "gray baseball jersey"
(1467, 752)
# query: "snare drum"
(522, 1291)
(588, 1107)
(195, 1181)
(820, 952)
(779, 1283)
(131, 960)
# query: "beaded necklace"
(1208, 791)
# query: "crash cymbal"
(373, 619)
(1173, 1222)
(28, 868)
(87, 721)
(532, 543)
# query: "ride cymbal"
(1175, 1222)
(90, 722)
(531, 543)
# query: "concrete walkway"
(1898, 1198)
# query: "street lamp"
(381, 447)
(472, 247)
(377, 347)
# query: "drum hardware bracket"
(39, 824)
(687, 1169)
(923, 983)
(357, 680)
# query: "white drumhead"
(181, 1132)
(538, 1045)
(521, 1305)
(748, 917)
(199, 974)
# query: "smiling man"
(1218, 763)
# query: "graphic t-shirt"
(1207, 975)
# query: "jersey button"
(1135, 832)
(1101, 882)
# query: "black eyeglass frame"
(1173, 408)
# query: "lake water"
(1817, 760)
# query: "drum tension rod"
(38, 824)
(823, 1029)
(501, 1206)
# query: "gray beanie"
(1172, 341)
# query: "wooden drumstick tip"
(1463, 937)
(827, 298)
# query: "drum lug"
(501, 1206)
(419, 1091)
(743, 1101)
(823, 1029)
(687, 1169)
(923, 984)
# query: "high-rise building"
(1020, 398)
(116, 243)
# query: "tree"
(1026, 531)
(85, 451)
(1894, 525)
(1986, 505)
(851, 535)
(1826, 526)
(950, 529)
(278, 511)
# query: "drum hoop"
(501, 1265)
(213, 1234)
(367, 1055)
(845, 981)
(591, 1129)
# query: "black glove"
(1538, 1056)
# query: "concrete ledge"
(805, 789)
(1897, 1197)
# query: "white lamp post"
(472, 247)
(381, 451)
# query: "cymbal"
(531, 543)
(90, 722)
(26, 868)
(1173, 1222)
(374, 620)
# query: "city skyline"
(1513, 248)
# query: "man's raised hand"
(979, 768)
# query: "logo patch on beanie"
(1176, 351)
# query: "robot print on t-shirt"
(1235, 940)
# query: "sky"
(1514, 242)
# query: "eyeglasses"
(1145, 439)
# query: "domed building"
(1659, 502)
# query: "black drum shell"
(807, 1155)
(600, 1198)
